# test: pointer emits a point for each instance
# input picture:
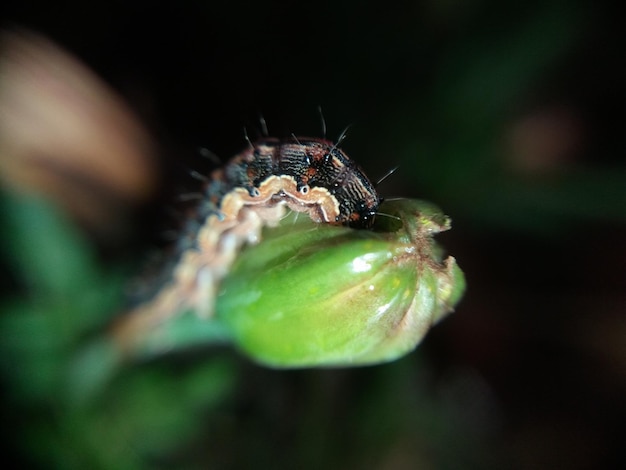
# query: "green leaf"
(45, 250)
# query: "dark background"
(509, 115)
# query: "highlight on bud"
(321, 295)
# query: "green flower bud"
(319, 295)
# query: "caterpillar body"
(250, 192)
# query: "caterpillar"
(251, 191)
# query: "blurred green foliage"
(74, 406)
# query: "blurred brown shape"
(546, 141)
(66, 136)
